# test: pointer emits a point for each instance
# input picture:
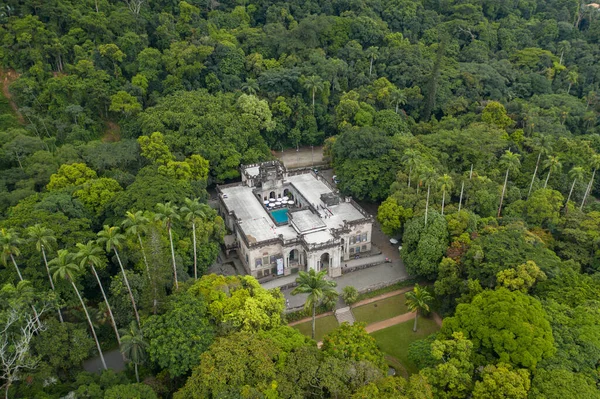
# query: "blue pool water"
(280, 215)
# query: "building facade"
(282, 222)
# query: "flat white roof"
(253, 171)
(305, 221)
(258, 226)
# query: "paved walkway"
(382, 296)
(344, 315)
(363, 280)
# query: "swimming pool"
(280, 215)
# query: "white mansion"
(283, 222)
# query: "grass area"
(394, 340)
(385, 290)
(381, 310)
(323, 326)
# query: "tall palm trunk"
(427, 203)
(314, 90)
(416, 317)
(588, 190)
(112, 318)
(534, 173)
(144, 254)
(89, 320)
(503, 191)
(137, 316)
(569, 197)
(51, 282)
(173, 258)
(409, 173)
(37, 317)
(137, 375)
(195, 255)
(462, 187)
(547, 178)
(314, 314)
(371, 67)
(443, 200)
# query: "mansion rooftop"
(271, 203)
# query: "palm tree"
(446, 184)
(134, 224)
(572, 78)
(429, 177)
(133, 347)
(89, 255)
(544, 144)
(166, 214)
(553, 165)
(317, 288)
(313, 84)
(398, 98)
(595, 163)
(193, 212)
(44, 238)
(111, 237)
(576, 173)
(511, 162)
(412, 159)
(10, 240)
(372, 53)
(250, 86)
(417, 301)
(63, 267)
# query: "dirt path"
(380, 325)
(7, 77)
(437, 318)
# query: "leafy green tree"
(133, 347)
(561, 383)
(128, 391)
(417, 301)
(125, 103)
(89, 255)
(353, 342)
(494, 113)
(317, 287)
(424, 246)
(392, 216)
(178, 337)
(112, 239)
(10, 241)
(44, 238)
(522, 278)
(511, 162)
(167, 213)
(543, 207)
(396, 388)
(63, 267)
(70, 175)
(349, 294)
(154, 148)
(240, 303)
(501, 381)
(452, 376)
(505, 326)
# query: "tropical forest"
(468, 128)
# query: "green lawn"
(324, 325)
(381, 310)
(394, 340)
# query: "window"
(353, 240)
(265, 260)
(358, 238)
(246, 258)
(364, 237)
(258, 262)
(273, 259)
(364, 248)
(357, 250)
(267, 272)
(352, 250)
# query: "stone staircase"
(344, 315)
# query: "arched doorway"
(324, 261)
(272, 194)
(294, 260)
(288, 193)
